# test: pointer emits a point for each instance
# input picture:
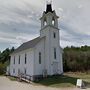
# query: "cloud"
(19, 21)
(60, 9)
(80, 6)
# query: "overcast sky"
(19, 21)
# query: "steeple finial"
(49, 2)
(49, 6)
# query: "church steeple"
(49, 17)
(48, 8)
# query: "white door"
(55, 68)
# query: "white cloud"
(80, 6)
(60, 9)
(15, 40)
(19, 20)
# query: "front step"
(24, 79)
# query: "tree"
(76, 58)
(4, 59)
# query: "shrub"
(2, 69)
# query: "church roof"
(27, 45)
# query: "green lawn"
(65, 80)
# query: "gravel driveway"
(6, 84)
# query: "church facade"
(42, 55)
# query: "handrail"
(25, 77)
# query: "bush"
(2, 69)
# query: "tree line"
(76, 59)
(4, 59)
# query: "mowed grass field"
(65, 80)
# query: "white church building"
(42, 55)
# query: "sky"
(19, 21)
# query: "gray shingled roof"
(27, 45)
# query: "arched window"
(53, 22)
(45, 23)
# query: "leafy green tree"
(76, 58)
(4, 59)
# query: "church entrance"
(55, 68)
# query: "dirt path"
(6, 84)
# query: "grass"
(12, 78)
(65, 80)
(2, 74)
(84, 76)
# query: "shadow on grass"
(59, 80)
(87, 84)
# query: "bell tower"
(49, 17)
(49, 30)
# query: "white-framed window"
(55, 54)
(25, 71)
(25, 58)
(14, 60)
(19, 60)
(39, 57)
(54, 34)
(13, 70)
(18, 71)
